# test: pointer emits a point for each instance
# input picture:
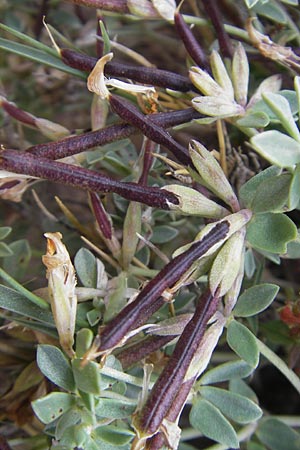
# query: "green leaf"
(254, 119)
(255, 299)
(4, 231)
(38, 56)
(271, 232)
(163, 233)
(251, 3)
(55, 366)
(294, 192)
(114, 435)
(117, 299)
(132, 225)
(17, 264)
(68, 419)
(114, 408)
(206, 418)
(13, 301)
(232, 405)
(250, 263)
(239, 386)
(52, 406)
(5, 250)
(87, 378)
(255, 446)
(281, 107)
(243, 343)
(272, 194)
(293, 248)
(248, 190)
(277, 436)
(86, 267)
(277, 148)
(226, 371)
(84, 339)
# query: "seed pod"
(191, 44)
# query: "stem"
(230, 29)
(79, 177)
(19, 288)
(280, 364)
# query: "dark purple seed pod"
(142, 349)
(170, 380)
(79, 177)
(101, 216)
(17, 113)
(212, 9)
(149, 148)
(119, 6)
(145, 75)
(149, 299)
(191, 44)
(128, 112)
(157, 441)
(75, 144)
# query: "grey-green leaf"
(163, 233)
(87, 377)
(52, 406)
(255, 299)
(227, 371)
(86, 267)
(114, 408)
(277, 148)
(271, 232)
(55, 366)
(276, 435)
(232, 405)
(272, 194)
(4, 232)
(206, 418)
(248, 190)
(243, 343)
(281, 107)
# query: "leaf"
(86, 267)
(38, 56)
(84, 339)
(16, 265)
(5, 250)
(163, 233)
(232, 405)
(52, 406)
(227, 371)
(254, 119)
(243, 343)
(114, 435)
(11, 300)
(281, 107)
(250, 263)
(239, 386)
(271, 232)
(87, 377)
(276, 435)
(165, 8)
(272, 194)
(206, 418)
(255, 299)
(4, 231)
(68, 419)
(248, 190)
(294, 192)
(277, 148)
(114, 408)
(55, 366)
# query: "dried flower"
(61, 286)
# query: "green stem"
(280, 364)
(19, 288)
(121, 376)
(234, 31)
